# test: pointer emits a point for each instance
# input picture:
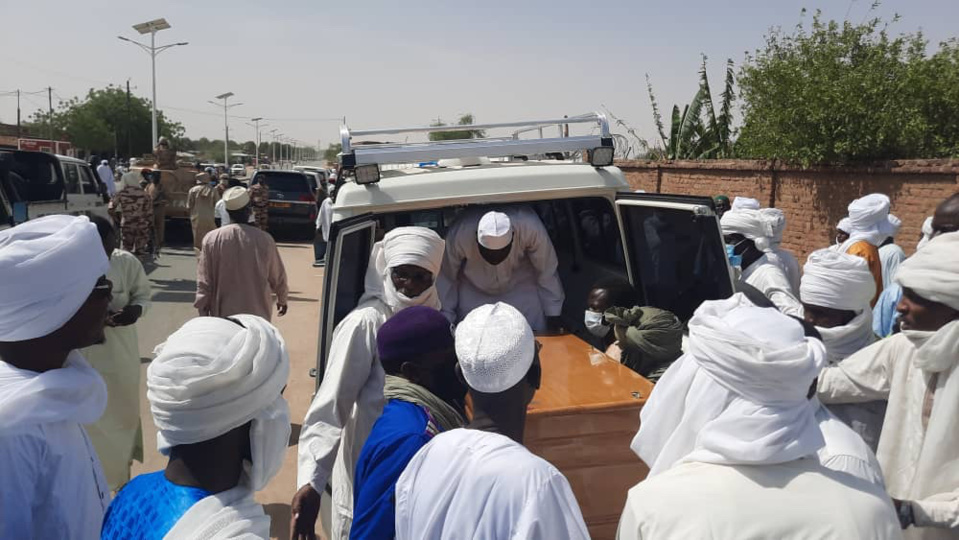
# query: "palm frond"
(657, 118)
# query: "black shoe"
(319, 264)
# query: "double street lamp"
(226, 125)
(152, 27)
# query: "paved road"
(173, 278)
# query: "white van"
(85, 191)
(670, 247)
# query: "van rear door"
(347, 256)
(674, 250)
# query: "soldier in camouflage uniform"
(158, 195)
(259, 201)
(136, 210)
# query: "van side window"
(354, 258)
(598, 230)
(88, 182)
(72, 177)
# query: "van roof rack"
(378, 153)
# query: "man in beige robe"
(239, 269)
(201, 203)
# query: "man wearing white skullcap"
(779, 255)
(502, 255)
(749, 234)
(215, 391)
(54, 299)
(836, 290)
(401, 273)
(480, 480)
(240, 269)
(890, 254)
(915, 371)
(869, 223)
(731, 439)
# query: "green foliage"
(697, 132)
(847, 93)
(465, 120)
(102, 122)
(331, 152)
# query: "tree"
(332, 151)
(698, 132)
(465, 120)
(104, 121)
(847, 93)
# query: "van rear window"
(296, 183)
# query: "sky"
(304, 65)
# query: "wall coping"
(905, 166)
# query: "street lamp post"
(152, 27)
(226, 125)
(273, 144)
(256, 142)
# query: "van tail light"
(307, 197)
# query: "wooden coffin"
(582, 420)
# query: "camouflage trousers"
(261, 217)
(136, 237)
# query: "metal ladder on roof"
(356, 154)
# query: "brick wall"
(814, 199)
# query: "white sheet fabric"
(933, 271)
(350, 398)
(738, 396)
(38, 295)
(745, 203)
(116, 435)
(798, 500)
(528, 279)
(214, 375)
(324, 218)
(770, 280)
(752, 224)
(777, 254)
(837, 280)
(919, 464)
(106, 175)
(495, 347)
(468, 483)
(53, 486)
(868, 219)
(230, 515)
(417, 246)
(926, 232)
(845, 451)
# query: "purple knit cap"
(413, 332)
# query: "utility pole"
(256, 142)
(19, 133)
(129, 123)
(226, 124)
(50, 118)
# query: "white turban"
(418, 246)
(845, 225)
(495, 347)
(926, 233)
(777, 223)
(48, 268)
(891, 226)
(738, 396)
(752, 224)
(837, 280)
(212, 376)
(868, 219)
(933, 272)
(745, 203)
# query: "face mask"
(594, 323)
(736, 261)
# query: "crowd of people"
(780, 412)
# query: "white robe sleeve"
(629, 525)
(774, 284)
(347, 369)
(940, 511)
(864, 376)
(552, 513)
(542, 255)
(140, 290)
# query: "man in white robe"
(778, 254)
(731, 438)
(750, 233)
(890, 254)
(836, 291)
(215, 391)
(745, 203)
(401, 273)
(106, 176)
(54, 299)
(480, 481)
(502, 256)
(915, 371)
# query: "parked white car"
(238, 169)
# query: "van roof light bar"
(354, 154)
